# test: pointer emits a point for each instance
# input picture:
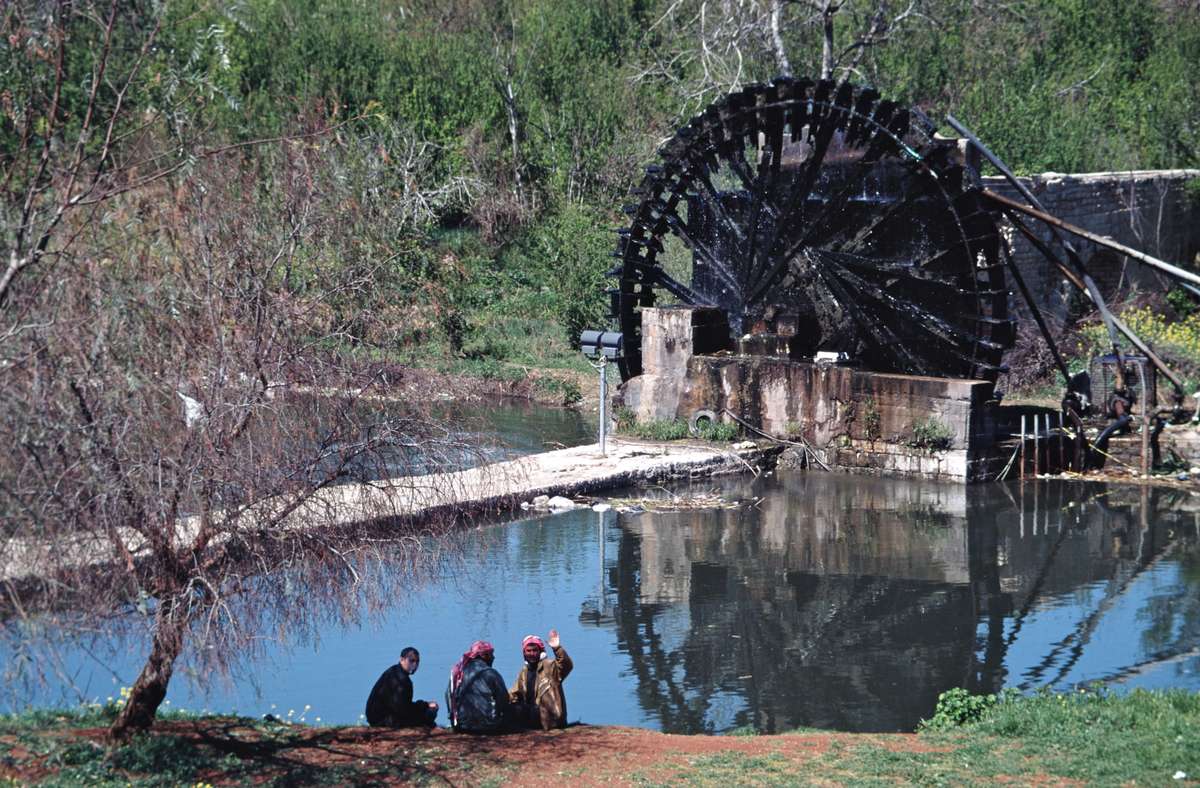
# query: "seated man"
(476, 697)
(537, 696)
(391, 701)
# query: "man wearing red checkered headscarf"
(537, 698)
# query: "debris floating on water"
(674, 502)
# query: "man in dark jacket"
(477, 698)
(391, 701)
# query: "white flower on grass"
(1180, 775)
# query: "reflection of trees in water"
(812, 611)
(277, 595)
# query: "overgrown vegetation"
(1176, 341)
(872, 423)
(677, 429)
(931, 435)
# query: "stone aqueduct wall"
(853, 420)
(1150, 210)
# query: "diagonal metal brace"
(1072, 254)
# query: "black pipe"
(1159, 423)
(1079, 444)
(1101, 441)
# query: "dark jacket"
(391, 702)
(541, 695)
(481, 705)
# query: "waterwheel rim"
(826, 203)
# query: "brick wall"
(1148, 210)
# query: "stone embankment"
(487, 489)
(573, 472)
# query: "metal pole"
(1022, 448)
(1036, 312)
(1062, 456)
(1045, 443)
(1154, 262)
(603, 403)
(1146, 416)
(1037, 463)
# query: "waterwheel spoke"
(796, 208)
(914, 315)
(679, 289)
(882, 334)
(698, 247)
(714, 199)
(905, 275)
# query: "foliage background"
(507, 261)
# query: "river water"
(812, 599)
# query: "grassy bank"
(1144, 738)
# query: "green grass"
(676, 429)
(736, 768)
(1096, 739)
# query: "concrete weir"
(901, 425)
(577, 471)
(487, 489)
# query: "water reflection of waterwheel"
(820, 210)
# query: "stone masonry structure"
(1153, 211)
(854, 420)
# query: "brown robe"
(547, 692)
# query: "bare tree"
(161, 303)
(64, 152)
(708, 47)
(160, 449)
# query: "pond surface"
(822, 600)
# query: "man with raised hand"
(537, 696)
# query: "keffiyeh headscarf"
(479, 648)
(535, 640)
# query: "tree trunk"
(151, 685)
(510, 106)
(827, 12)
(781, 59)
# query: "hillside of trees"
(483, 147)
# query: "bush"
(1184, 303)
(566, 392)
(720, 431)
(660, 430)
(1177, 341)
(674, 429)
(957, 707)
(931, 435)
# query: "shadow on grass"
(307, 756)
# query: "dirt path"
(581, 755)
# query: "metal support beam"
(1137, 342)
(1092, 290)
(1154, 262)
